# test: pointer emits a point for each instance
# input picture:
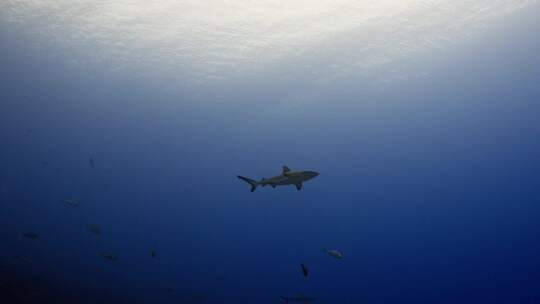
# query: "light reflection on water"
(201, 41)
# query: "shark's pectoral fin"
(298, 186)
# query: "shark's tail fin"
(253, 183)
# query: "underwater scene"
(244, 151)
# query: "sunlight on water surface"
(205, 41)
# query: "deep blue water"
(429, 186)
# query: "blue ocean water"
(428, 185)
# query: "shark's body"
(287, 177)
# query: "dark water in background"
(429, 186)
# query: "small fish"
(72, 202)
(31, 235)
(110, 257)
(334, 253)
(304, 270)
(91, 163)
(94, 229)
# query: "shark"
(94, 229)
(287, 177)
(305, 270)
(31, 235)
(71, 202)
(334, 253)
(109, 256)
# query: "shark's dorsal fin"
(285, 170)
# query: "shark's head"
(310, 174)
